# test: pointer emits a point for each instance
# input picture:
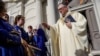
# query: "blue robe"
(22, 32)
(7, 48)
(40, 40)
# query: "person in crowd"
(30, 31)
(6, 17)
(41, 40)
(31, 35)
(38, 40)
(10, 42)
(18, 24)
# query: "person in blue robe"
(40, 38)
(6, 17)
(18, 24)
(10, 42)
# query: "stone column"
(38, 11)
(23, 7)
(51, 19)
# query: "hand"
(69, 25)
(46, 25)
(24, 43)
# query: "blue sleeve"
(40, 43)
(42, 33)
(4, 35)
(25, 36)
